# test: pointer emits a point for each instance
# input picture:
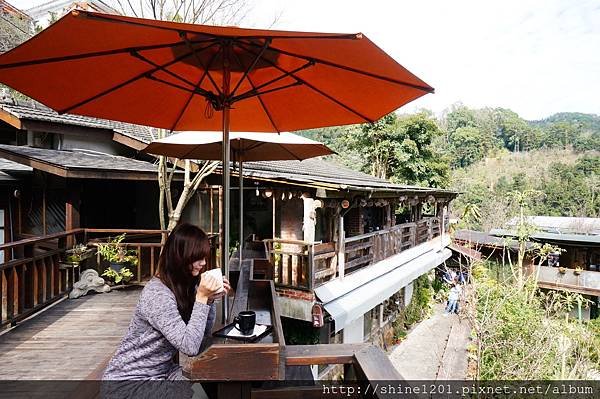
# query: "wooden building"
(575, 269)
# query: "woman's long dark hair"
(185, 245)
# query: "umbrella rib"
(257, 93)
(289, 152)
(255, 89)
(120, 85)
(175, 85)
(347, 68)
(189, 100)
(351, 36)
(95, 54)
(197, 57)
(251, 66)
(262, 103)
(321, 92)
(184, 80)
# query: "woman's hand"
(207, 288)
(217, 295)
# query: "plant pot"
(577, 272)
(116, 266)
(67, 265)
(562, 270)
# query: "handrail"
(30, 241)
(380, 232)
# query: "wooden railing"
(304, 266)
(584, 282)
(366, 249)
(35, 275)
(362, 364)
(146, 243)
(298, 264)
(31, 276)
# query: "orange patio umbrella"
(191, 77)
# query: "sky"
(536, 57)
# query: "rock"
(89, 281)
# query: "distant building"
(575, 269)
(7, 9)
(46, 13)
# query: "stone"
(89, 281)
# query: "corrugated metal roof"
(346, 300)
(563, 225)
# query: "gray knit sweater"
(156, 333)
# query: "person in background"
(453, 297)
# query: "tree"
(399, 149)
(216, 12)
(524, 230)
(466, 148)
(515, 132)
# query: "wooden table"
(226, 359)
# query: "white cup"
(216, 273)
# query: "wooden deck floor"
(69, 340)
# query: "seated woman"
(174, 313)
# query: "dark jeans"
(452, 306)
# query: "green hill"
(568, 183)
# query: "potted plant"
(115, 252)
(577, 271)
(562, 270)
(116, 277)
(75, 256)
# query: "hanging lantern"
(345, 204)
(317, 315)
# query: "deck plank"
(69, 340)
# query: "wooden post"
(311, 267)
(72, 217)
(44, 228)
(274, 224)
(341, 246)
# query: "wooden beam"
(307, 355)
(373, 364)
(129, 141)
(63, 128)
(570, 287)
(112, 175)
(10, 119)
(40, 165)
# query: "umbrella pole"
(241, 180)
(226, 210)
(226, 194)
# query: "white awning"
(346, 300)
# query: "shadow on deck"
(69, 340)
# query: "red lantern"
(317, 315)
